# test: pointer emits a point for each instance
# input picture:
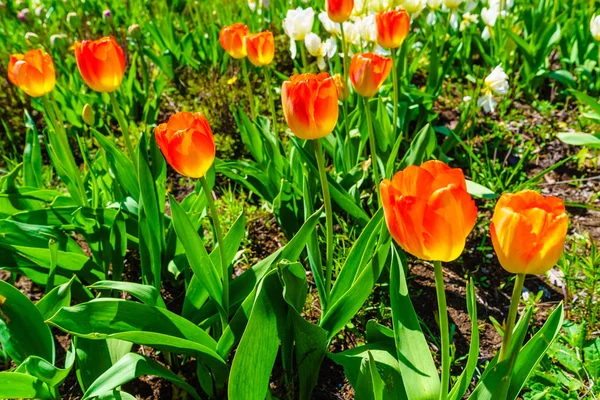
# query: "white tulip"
(467, 20)
(487, 102)
(595, 27)
(452, 4)
(414, 7)
(434, 4)
(497, 81)
(489, 16)
(351, 33)
(297, 24)
(319, 49)
(333, 28)
(367, 28)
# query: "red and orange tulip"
(368, 71)
(32, 72)
(101, 63)
(528, 231)
(392, 28)
(187, 143)
(260, 48)
(232, 39)
(428, 210)
(339, 10)
(310, 105)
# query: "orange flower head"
(528, 231)
(428, 210)
(232, 39)
(368, 71)
(260, 48)
(310, 105)
(339, 10)
(32, 72)
(101, 63)
(187, 143)
(342, 87)
(392, 28)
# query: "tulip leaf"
(421, 148)
(580, 139)
(479, 191)
(46, 372)
(132, 366)
(369, 384)
(147, 294)
(417, 367)
(32, 155)
(23, 332)
(16, 385)
(54, 300)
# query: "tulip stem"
(372, 144)
(219, 235)
(248, 87)
(328, 215)
(61, 134)
(512, 317)
(271, 101)
(123, 125)
(345, 81)
(303, 56)
(444, 331)
(396, 85)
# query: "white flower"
(487, 102)
(595, 27)
(431, 18)
(467, 99)
(333, 28)
(297, 24)
(489, 16)
(497, 81)
(486, 35)
(467, 20)
(320, 49)
(434, 4)
(414, 7)
(452, 4)
(366, 28)
(454, 20)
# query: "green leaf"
(417, 367)
(256, 353)
(15, 385)
(44, 371)
(369, 384)
(130, 367)
(32, 155)
(56, 299)
(421, 147)
(479, 191)
(580, 139)
(145, 293)
(23, 332)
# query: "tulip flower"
(310, 105)
(595, 27)
(101, 63)
(320, 49)
(392, 28)
(495, 83)
(528, 231)
(429, 213)
(232, 38)
(32, 72)
(296, 25)
(187, 143)
(368, 71)
(260, 48)
(339, 10)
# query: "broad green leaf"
(145, 293)
(580, 139)
(256, 353)
(32, 155)
(44, 371)
(15, 385)
(23, 332)
(54, 300)
(479, 191)
(421, 147)
(130, 367)
(369, 384)
(417, 367)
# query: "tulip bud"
(135, 32)
(32, 38)
(59, 41)
(73, 21)
(342, 87)
(88, 115)
(24, 15)
(39, 11)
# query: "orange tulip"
(368, 71)
(101, 63)
(232, 39)
(310, 105)
(260, 48)
(187, 143)
(392, 28)
(339, 10)
(33, 72)
(528, 231)
(428, 210)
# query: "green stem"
(512, 317)
(145, 76)
(444, 332)
(328, 215)
(61, 135)
(345, 59)
(123, 125)
(219, 235)
(248, 87)
(396, 84)
(303, 56)
(271, 101)
(373, 146)
(344, 82)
